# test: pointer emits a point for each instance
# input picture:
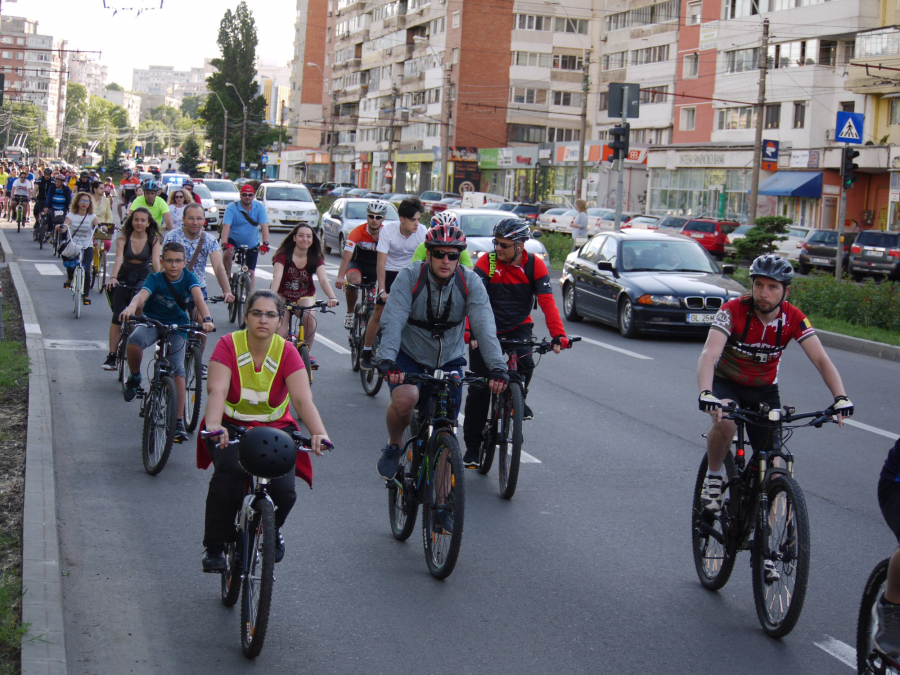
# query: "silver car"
(478, 226)
(343, 216)
(224, 192)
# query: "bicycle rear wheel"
(103, 266)
(488, 439)
(403, 503)
(304, 354)
(779, 599)
(867, 659)
(120, 358)
(371, 379)
(231, 577)
(40, 235)
(159, 425)
(78, 289)
(443, 512)
(241, 299)
(510, 439)
(357, 331)
(233, 306)
(713, 554)
(193, 384)
(258, 580)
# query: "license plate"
(875, 254)
(697, 236)
(820, 261)
(701, 318)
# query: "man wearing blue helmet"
(156, 204)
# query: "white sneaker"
(348, 321)
(711, 494)
(771, 573)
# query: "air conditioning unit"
(829, 134)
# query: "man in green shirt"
(156, 204)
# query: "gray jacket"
(417, 342)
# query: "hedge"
(867, 304)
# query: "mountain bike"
(868, 659)
(98, 269)
(193, 375)
(764, 512)
(503, 429)
(362, 314)
(431, 474)
(240, 285)
(250, 559)
(297, 330)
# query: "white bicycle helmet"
(376, 207)
(444, 218)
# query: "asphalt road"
(587, 570)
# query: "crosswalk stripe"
(48, 269)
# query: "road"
(587, 570)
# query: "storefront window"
(695, 192)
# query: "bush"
(868, 304)
(559, 246)
(762, 238)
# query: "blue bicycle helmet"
(151, 185)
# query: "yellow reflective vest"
(255, 386)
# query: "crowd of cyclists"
(436, 309)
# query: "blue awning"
(793, 184)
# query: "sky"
(181, 34)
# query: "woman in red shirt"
(295, 262)
(252, 373)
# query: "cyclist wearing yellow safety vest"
(254, 375)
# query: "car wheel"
(569, 308)
(626, 319)
(341, 243)
(325, 245)
(803, 269)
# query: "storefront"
(412, 171)
(364, 170)
(600, 179)
(509, 172)
(345, 167)
(302, 166)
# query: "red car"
(710, 233)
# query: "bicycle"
(98, 268)
(250, 559)
(124, 333)
(77, 286)
(297, 330)
(503, 429)
(159, 405)
(57, 218)
(42, 231)
(240, 285)
(20, 212)
(362, 314)
(431, 474)
(770, 509)
(193, 375)
(868, 659)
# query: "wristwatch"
(265, 243)
(207, 319)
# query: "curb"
(879, 350)
(44, 649)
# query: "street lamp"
(244, 135)
(445, 113)
(330, 120)
(224, 132)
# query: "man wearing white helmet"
(359, 259)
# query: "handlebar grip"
(211, 434)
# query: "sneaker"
(214, 562)
(132, 387)
(887, 638)
(711, 495)
(390, 461)
(279, 547)
(86, 300)
(527, 413)
(471, 458)
(771, 573)
(313, 364)
(180, 432)
(348, 321)
(67, 284)
(110, 363)
(443, 522)
(365, 361)
(204, 368)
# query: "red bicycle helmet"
(445, 235)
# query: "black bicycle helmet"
(773, 266)
(445, 235)
(512, 228)
(267, 452)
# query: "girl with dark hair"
(295, 262)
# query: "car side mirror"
(727, 269)
(605, 266)
(317, 200)
(537, 234)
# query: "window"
(741, 60)
(7, 55)
(525, 95)
(524, 133)
(894, 111)
(654, 94)
(604, 101)
(799, 114)
(691, 66)
(438, 26)
(736, 9)
(454, 55)
(456, 18)
(567, 98)
(531, 59)
(566, 25)
(562, 62)
(694, 13)
(328, 35)
(772, 118)
(649, 55)
(848, 106)
(533, 22)
(614, 61)
(688, 119)
(659, 13)
(555, 135)
(737, 118)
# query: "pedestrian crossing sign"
(849, 127)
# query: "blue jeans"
(407, 365)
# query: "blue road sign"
(849, 127)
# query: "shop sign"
(459, 154)
(709, 35)
(489, 158)
(805, 159)
(701, 159)
(769, 155)
(466, 177)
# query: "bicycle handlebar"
(169, 328)
(303, 443)
(321, 305)
(365, 287)
(785, 414)
(447, 378)
(541, 347)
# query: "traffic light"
(848, 167)
(618, 143)
(264, 170)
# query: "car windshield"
(728, 228)
(500, 207)
(829, 238)
(524, 209)
(221, 186)
(599, 212)
(479, 225)
(288, 194)
(357, 211)
(673, 222)
(644, 220)
(665, 256)
(202, 191)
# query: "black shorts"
(750, 398)
(889, 501)
(388, 282)
(252, 255)
(368, 274)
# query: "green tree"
(108, 124)
(114, 86)
(237, 41)
(190, 106)
(75, 116)
(762, 238)
(190, 156)
(22, 118)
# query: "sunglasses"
(369, 215)
(502, 245)
(440, 255)
(179, 196)
(258, 314)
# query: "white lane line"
(48, 269)
(874, 430)
(50, 343)
(526, 458)
(839, 650)
(330, 344)
(617, 349)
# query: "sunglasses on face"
(502, 245)
(258, 314)
(440, 255)
(369, 215)
(179, 196)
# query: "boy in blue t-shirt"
(160, 304)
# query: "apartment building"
(125, 99)
(166, 81)
(87, 72)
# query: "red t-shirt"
(295, 283)
(754, 361)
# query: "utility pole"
(760, 114)
(585, 83)
(331, 143)
(445, 130)
(393, 113)
(40, 119)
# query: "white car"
(224, 192)
(478, 226)
(789, 248)
(557, 220)
(288, 204)
(210, 210)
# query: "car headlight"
(312, 214)
(659, 300)
(275, 212)
(213, 209)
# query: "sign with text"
(709, 35)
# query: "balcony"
(411, 145)
(415, 79)
(397, 22)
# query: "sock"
(720, 473)
(179, 421)
(136, 376)
(366, 349)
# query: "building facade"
(125, 99)
(166, 81)
(88, 73)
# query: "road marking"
(261, 274)
(617, 349)
(839, 650)
(874, 430)
(330, 344)
(526, 458)
(48, 269)
(50, 343)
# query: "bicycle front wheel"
(193, 385)
(780, 560)
(403, 503)
(231, 577)
(867, 659)
(241, 299)
(78, 289)
(103, 265)
(713, 554)
(489, 438)
(444, 509)
(40, 236)
(304, 355)
(371, 379)
(357, 331)
(233, 306)
(121, 359)
(159, 425)
(510, 437)
(258, 580)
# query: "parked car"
(345, 214)
(356, 192)
(478, 226)
(444, 204)
(210, 208)
(671, 224)
(875, 253)
(374, 195)
(324, 188)
(223, 191)
(521, 210)
(431, 197)
(557, 220)
(340, 191)
(288, 204)
(789, 248)
(646, 281)
(819, 250)
(712, 234)
(645, 222)
(472, 200)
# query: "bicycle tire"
(356, 338)
(121, 358)
(867, 660)
(193, 385)
(241, 299)
(785, 498)
(371, 379)
(510, 440)
(488, 446)
(442, 548)
(403, 503)
(40, 236)
(232, 306)
(159, 425)
(78, 289)
(231, 577)
(258, 580)
(304, 354)
(713, 559)
(103, 265)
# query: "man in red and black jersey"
(513, 278)
(741, 359)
